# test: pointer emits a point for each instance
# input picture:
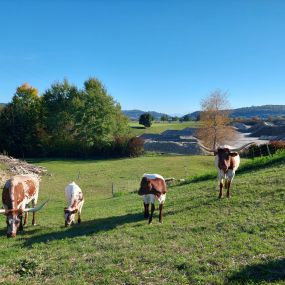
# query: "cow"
(152, 187)
(227, 161)
(19, 191)
(74, 197)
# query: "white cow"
(74, 197)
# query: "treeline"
(65, 121)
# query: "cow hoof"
(34, 225)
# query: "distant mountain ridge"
(263, 112)
(135, 114)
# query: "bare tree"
(215, 121)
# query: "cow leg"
(79, 211)
(228, 188)
(34, 219)
(151, 213)
(21, 223)
(160, 213)
(79, 218)
(34, 213)
(146, 210)
(26, 219)
(221, 189)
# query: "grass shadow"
(85, 228)
(271, 271)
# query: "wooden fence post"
(269, 153)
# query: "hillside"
(135, 114)
(203, 240)
(263, 112)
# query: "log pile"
(17, 166)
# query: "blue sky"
(151, 55)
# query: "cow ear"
(233, 154)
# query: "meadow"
(159, 127)
(203, 240)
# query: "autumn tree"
(215, 121)
(20, 122)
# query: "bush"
(135, 147)
(263, 149)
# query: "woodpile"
(17, 166)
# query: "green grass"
(203, 240)
(157, 128)
(125, 174)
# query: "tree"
(164, 118)
(21, 123)
(215, 121)
(100, 119)
(185, 118)
(146, 119)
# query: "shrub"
(263, 149)
(135, 147)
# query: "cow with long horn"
(227, 161)
(19, 191)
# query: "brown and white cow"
(227, 161)
(152, 187)
(17, 193)
(74, 197)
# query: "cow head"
(69, 216)
(224, 154)
(145, 187)
(13, 218)
(13, 223)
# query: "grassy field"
(203, 240)
(160, 127)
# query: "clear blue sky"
(151, 55)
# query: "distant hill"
(135, 114)
(263, 112)
(2, 105)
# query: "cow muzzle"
(11, 235)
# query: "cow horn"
(205, 148)
(35, 209)
(2, 211)
(242, 147)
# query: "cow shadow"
(271, 271)
(85, 228)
